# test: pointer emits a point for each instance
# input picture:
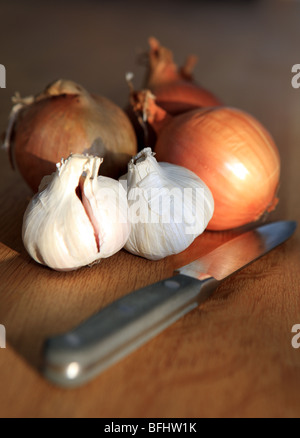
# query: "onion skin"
(177, 98)
(66, 119)
(174, 88)
(230, 151)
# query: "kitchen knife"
(73, 358)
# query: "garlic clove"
(77, 217)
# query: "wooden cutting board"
(36, 301)
(233, 354)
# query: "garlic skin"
(77, 217)
(169, 206)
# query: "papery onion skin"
(233, 154)
(66, 119)
(175, 88)
(177, 98)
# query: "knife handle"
(74, 358)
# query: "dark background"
(96, 42)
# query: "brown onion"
(66, 119)
(174, 88)
(228, 149)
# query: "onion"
(228, 149)
(66, 119)
(175, 89)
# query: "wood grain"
(231, 357)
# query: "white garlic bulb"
(77, 217)
(169, 206)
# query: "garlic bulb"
(77, 217)
(169, 206)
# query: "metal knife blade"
(74, 358)
(236, 254)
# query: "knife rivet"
(172, 284)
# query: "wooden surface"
(232, 357)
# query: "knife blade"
(74, 358)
